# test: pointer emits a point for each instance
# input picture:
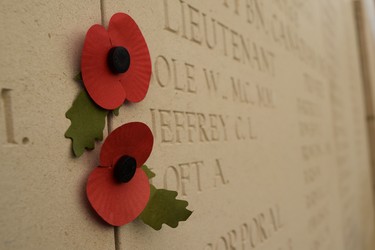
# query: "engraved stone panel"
(42, 201)
(257, 110)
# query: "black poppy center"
(118, 60)
(125, 169)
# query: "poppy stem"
(115, 229)
(102, 11)
(117, 238)
(110, 122)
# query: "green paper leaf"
(87, 123)
(78, 77)
(148, 172)
(116, 112)
(164, 208)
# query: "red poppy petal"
(133, 139)
(102, 85)
(117, 203)
(123, 31)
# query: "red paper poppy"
(116, 64)
(119, 189)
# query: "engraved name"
(177, 127)
(251, 234)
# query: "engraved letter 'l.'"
(7, 105)
(167, 25)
